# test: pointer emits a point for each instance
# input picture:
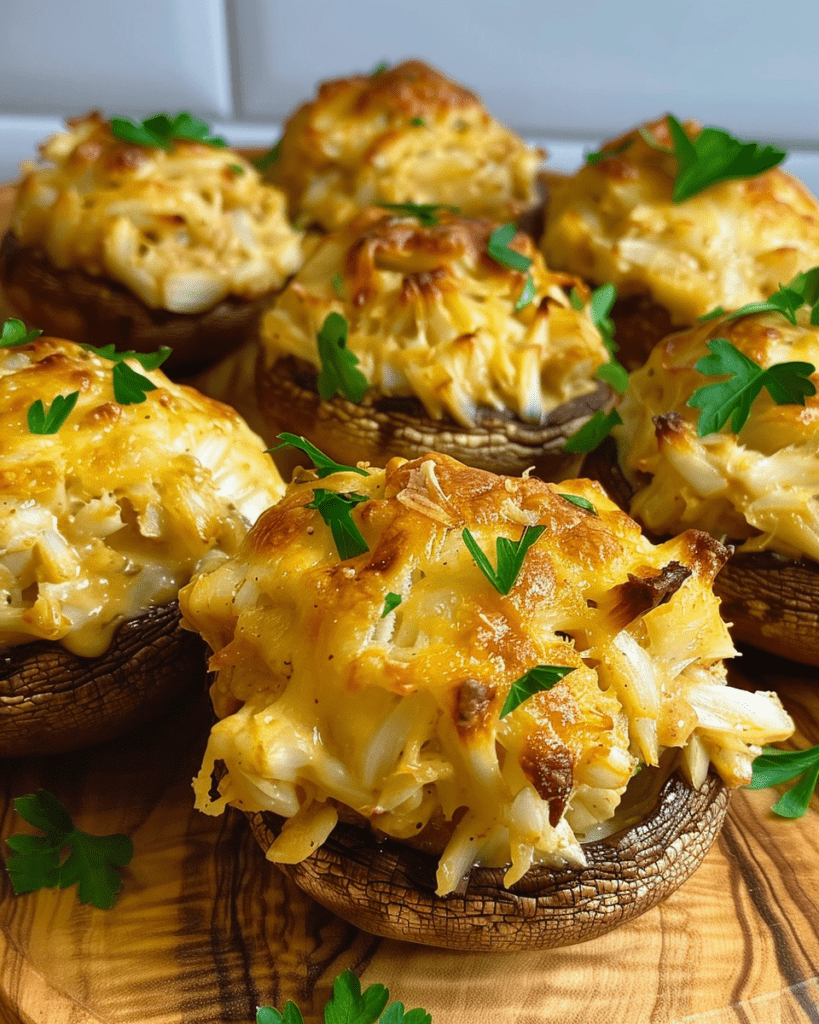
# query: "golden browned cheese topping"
(407, 134)
(433, 316)
(758, 488)
(115, 511)
(329, 700)
(181, 229)
(731, 244)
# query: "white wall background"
(566, 73)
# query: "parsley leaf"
(14, 333)
(335, 509)
(338, 372)
(338, 285)
(391, 602)
(787, 383)
(575, 499)
(349, 1005)
(42, 422)
(498, 249)
(130, 387)
(159, 131)
(427, 214)
(773, 767)
(418, 122)
(592, 432)
(536, 680)
(323, 463)
(614, 374)
(147, 360)
(575, 300)
(604, 154)
(91, 862)
(509, 555)
(600, 304)
(261, 163)
(526, 295)
(713, 156)
(715, 314)
(379, 69)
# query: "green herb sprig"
(161, 130)
(336, 511)
(339, 372)
(788, 299)
(14, 333)
(427, 214)
(323, 463)
(537, 680)
(526, 295)
(37, 861)
(42, 422)
(605, 154)
(130, 387)
(391, 602)
(498, 248)
(714, 156)
(601, 301)
(593, 432)
(774, 767)
(261, 163)
(583, 503)
(509, 556)
(349, 1005)
(786, 383)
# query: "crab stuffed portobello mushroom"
(115, 487)
(472, 710)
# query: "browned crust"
(769, 601)
(381, 428)
(389, 889)
(52, 700)
(98, 311)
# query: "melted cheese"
(182, 230)
(114, 512)
(432, 315)
(406, 135)
(758, 488)
(731, 244)
(327, 705)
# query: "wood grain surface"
(205, 930)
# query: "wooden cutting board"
(205, 929)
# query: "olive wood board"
(205, 929)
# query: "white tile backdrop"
(565, 74)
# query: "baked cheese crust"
(432, 316)
(331, 704)
(406, 134)
(759, 488)
(181, 229)
(115, 511)
(731, 244)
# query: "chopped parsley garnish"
(536, 680)
(713, 156)
(614, 374)
(338, 285)
(261, 163)
(427, 214)
(131, 387)
(773, 767)
(391, 602)
(592, 432)
(788, 299)
(15, 333)
(336, 511)
(418, 122)
(349, 1005)
(160, 131)
(498, 248)
(575, 300)
(37, 861)
(42, 422)
(786, 383)
(323, 463)
(604, 154)
(379, 69)
(339, 373)
(509, 553)
(600, 304)
(237, 168)
(526, 295)
(147, 360)
(575, 499)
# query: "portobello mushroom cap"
(52, 700)
(388, 888)
(733, 243)
(99, 311)
(491, 362)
